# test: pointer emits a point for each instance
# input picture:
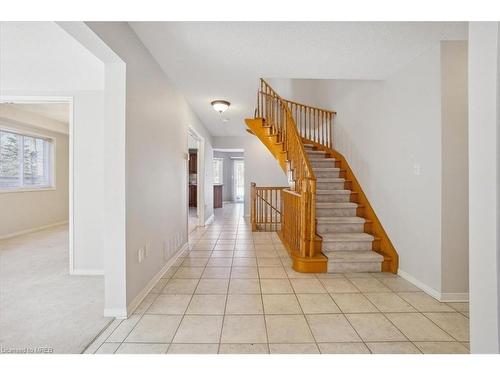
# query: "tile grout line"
(187, 306)
(229, 233)
(225, 304)
(305, 317)
(263, 310)
(383, 314)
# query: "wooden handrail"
(309, 106)
(314, 124)
(278, 118)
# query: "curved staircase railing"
(284, 127)
(313, 124)
(298, 230)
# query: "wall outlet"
(140, 254)
(416, 169)
(165, 253)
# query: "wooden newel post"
(312, 222)
(304, 243)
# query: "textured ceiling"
(53, 111)
(42, 56)
(224, 60)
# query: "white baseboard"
(426, 288)
(442, 297)
(454, 297)
(140, 297)
(26, 231)
(86, 272)
(210, 220)
(115, 313)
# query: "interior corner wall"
(157, 119)
(260, 165)
(484, 175)
(455, 172)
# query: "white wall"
(455, 172)
(28, 210)
(157, 120)
(384, 129)
(39, 59)
(484, 85)
(390, 132)
(260, 165)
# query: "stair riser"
(323, 228)
(320, 163)
(346, 245)
(333, 198)
(315, 156)
(322, 212)
(330, 185)
(326, 174)
(354, 267)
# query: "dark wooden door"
(217, 196)
(193, 195)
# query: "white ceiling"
(224, 60)
(43, 56)
(53, 111)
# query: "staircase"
(327, 222)
(345, 243)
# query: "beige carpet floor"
(41, 305)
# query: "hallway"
(235, 292)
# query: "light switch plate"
(416, 169)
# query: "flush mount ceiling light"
(220, 105)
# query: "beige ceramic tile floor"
(234, 291)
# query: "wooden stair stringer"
(382, 243)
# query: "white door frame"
(22, 99)
(200, 178)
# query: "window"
(25, 161)
(218, 172)
(239, 180)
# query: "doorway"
(36, 237)
(46, 122)
(229, 176)
(195, 181)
